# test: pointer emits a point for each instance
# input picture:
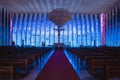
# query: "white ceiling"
(46, 6)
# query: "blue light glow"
(37, 28)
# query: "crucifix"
(59, 34)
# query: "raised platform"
(59, 46)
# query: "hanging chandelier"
(60, 16)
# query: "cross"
(59, 33)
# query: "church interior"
(59, 40)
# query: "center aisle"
(58, 68)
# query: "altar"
(59, 46)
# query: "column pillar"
(103, 25)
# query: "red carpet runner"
(58, 68)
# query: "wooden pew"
(98, 66)
(83, 55)
(7, 72)
(15, 64)
(89, 58)
(19, 60)
(112, 72)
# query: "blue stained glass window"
(37, 28)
